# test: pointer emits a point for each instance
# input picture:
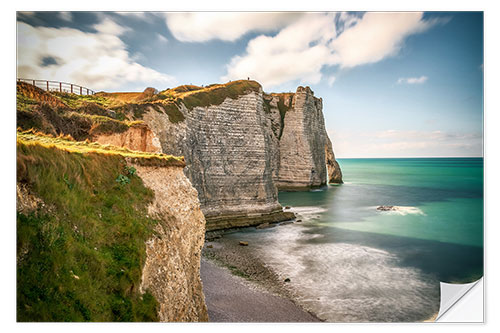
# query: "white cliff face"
(172, 268)
(240, 152)
(228, 153)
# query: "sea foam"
(402, 210)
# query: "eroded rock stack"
(305, 156)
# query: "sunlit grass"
(86, 147)
(80, 256)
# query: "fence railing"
(59, 86)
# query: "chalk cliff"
(172, 268)
(240, 144)
(241, 148)
(228, 153)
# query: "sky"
(393, 84)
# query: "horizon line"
(337, 157)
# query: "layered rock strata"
(227, 148)
(138, 137)
(172, 268)
(242, 149)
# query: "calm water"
(349, 262)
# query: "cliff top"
(214, 94)
(83, 116)
(84, 147)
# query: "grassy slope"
(215, 94)
(80, 256)
(105, 113)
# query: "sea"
(349, 262)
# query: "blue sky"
(393, 84)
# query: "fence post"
(71, 88)
(87, 91)
(34, 83)
(47, 85)
(81, 91)
(60, 87)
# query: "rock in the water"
(263, 226)
(287, 280)
(287, 207)
(243, 243)
(286, 222)
(298, 221)
(386, 208)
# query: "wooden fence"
(59, 86)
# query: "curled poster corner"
(461, 303)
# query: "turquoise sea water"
(349, 262)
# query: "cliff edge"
(105, 234)
(240, 144)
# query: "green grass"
(127, 105)
(194, 96)
(216, 94)
(24, 103)
(80, 257)
(76, 101)
(106, 125)
(31, 138)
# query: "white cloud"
(98, 60)
(413, 80)
(331, 80)
(137, 15)
(298, 51)
(162, 38)
(227, 26)
(66, 16)
(109, 27)
(376, 36)
(301, 49)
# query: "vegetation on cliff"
(31, 137)
(83, 116)
(81, 251)
(214, 94)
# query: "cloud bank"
(98, 60)
(303, 47)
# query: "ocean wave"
(308, 213)
(349, 282)
(304, 210)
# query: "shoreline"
(243, 263)
(248, 270)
